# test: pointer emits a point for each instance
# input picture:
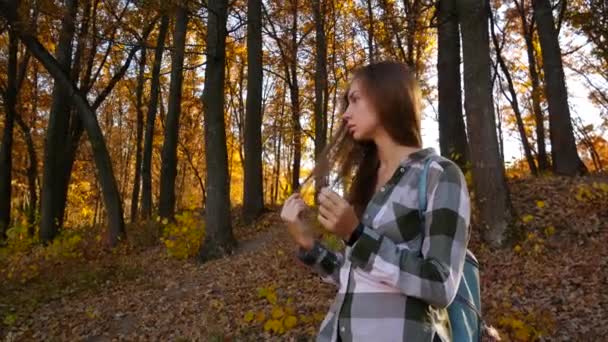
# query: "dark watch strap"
(354, 236)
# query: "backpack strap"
(482, 326)
(422, 189)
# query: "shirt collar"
(417, 156)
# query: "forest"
(147, 148)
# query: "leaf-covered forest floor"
(549, 283)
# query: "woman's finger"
(324, 222)
(325, 212)
(334, 197)
(325, 201)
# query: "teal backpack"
(465, 311)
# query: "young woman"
(398, 273)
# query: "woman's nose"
(346, 115)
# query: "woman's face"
(360, 116)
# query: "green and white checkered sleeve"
(324, 262)
(432, 274)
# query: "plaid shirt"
(395, 282)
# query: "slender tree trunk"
(32, 173)
(563, 145)
(113, 203)
(412, 13)
(6, 145)
(168, 170)
(320, 84)
(146, 169)
(219, 239)
(140, 132)
(32, 169)
(491, 192)
(528, 31)
(452, 135)
(253, 194)
(370, 31)
(513, 101)
(294, 92)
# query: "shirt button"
(382, 189)
(401, 169)
(366, 215)
(342, 329)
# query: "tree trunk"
(146, 169)
(370, 31)
(112, 201)
(253, 194)
(491, 192)
(320, 84)
(563, 145)
(76, 129)
(32, 173)
(32, 169)
(294, 91)
(452, 135)
(219, 239)
(57, 132)
(528, 31)
(513, 101)
(140, 131)
(168, 170)
(6, 146)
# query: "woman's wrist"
(306, 243)
(354, 236)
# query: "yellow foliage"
(260, 317)
(272, 298)
(277, 312)
(540, 204)
(249, 316)
(318, 316)
(183, 237)
(290, 322)
(527, 327)
(527, 218)
(282, 315)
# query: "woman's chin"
(357, 136)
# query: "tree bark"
(528, 31)
(6, 145)
(452, 134)
(219, 239)
(513, 101)
(491, 191)
(168, 170)
(320, 84)
(112, 201)
(294, 92)
(57, 131)
(139, 137)
(370, 31)
(563, 145)
(146, 169)
(253, 194)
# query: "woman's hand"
(290, 213)
(336, 214)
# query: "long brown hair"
(393, 91)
